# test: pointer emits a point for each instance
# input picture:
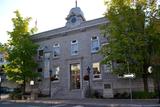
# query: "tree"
(21, 51)
(133, 34)
(1, 47)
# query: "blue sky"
(49, 14)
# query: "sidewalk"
(102, 102)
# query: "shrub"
(93, 94)
(15, 96)
(42, 95)
(117, 95)
(136, 95)
(124, 95)
(96, 94)
(144, 95)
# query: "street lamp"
(150, 70)
(48, 54)
(89, 87)
(50, 74)
(0, 87)
(31, 84)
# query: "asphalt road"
(11, 104)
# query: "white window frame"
(57, 45)
(74, 52)
(95, 49)
(95, 75)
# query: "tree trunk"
(145, 77)
(145, 82)
(158, 91)
(24, 85)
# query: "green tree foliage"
(1, 47)
(21, 51)
(134, 36)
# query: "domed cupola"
(75, 17)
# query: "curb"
(84, 103)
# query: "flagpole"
(76, 3)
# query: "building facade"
(69, 61)
(3, 78)
(2, 63)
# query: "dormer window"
(56, 50)
(95, 46)
(74, 47)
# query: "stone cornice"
(64, 31)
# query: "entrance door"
(75, 76)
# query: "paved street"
(79, 103)
(31, 104)
(12, 104)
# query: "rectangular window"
(108, 67)
(75, 76)
(56, 50)
(55, 73)
(46, 65)
(40, 53)
(95, 46)
(107, 86)
(1, 60)
(47, 56)
(74, 47)
(96, 71)
(39, 70)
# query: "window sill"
(57, 57)
(97, 79)
(74, 54)
(55, 81)
(94, 52)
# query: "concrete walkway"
(101, 102)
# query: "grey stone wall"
(85, 58)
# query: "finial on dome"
(76, 3)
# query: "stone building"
(2, 63)
(67, 55)
(4, 81)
